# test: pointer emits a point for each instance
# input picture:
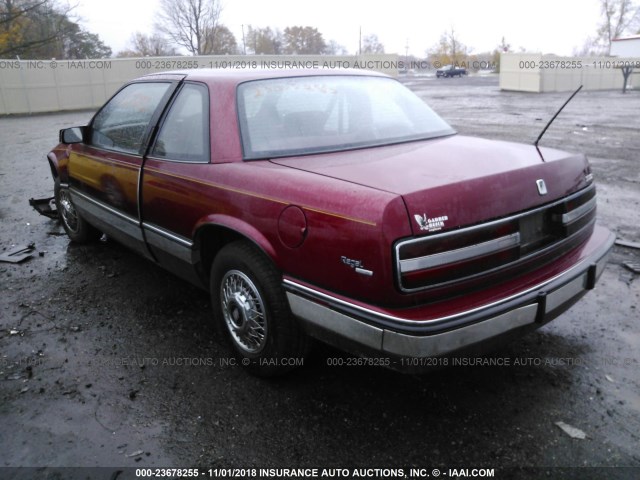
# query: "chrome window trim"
(153, 120)
(167, 111)
(460, 254)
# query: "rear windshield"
(304, 115)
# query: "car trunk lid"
(457, 180)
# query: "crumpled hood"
(463, 179)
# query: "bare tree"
(335, 48)
(142, 45)
(459, 50)
(371, 44)
(618, 17)
(449, 49)
(192, 24)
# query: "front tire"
(251, 310)
(77, 228)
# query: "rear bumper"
(363, 330)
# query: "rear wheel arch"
(210, 238)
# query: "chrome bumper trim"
(532, 308)
(185, 242)
(442, 343)
(564, 294)
(327, 319)
(79, 196)
(582, 266)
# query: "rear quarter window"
(184, 135)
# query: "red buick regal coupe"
(332, 205)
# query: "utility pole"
(244, 44)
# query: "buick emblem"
(542, 187)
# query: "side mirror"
(72, 135)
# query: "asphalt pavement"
(108, 361)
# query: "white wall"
(626, 47)
(547, 73)
(50, 86)
(513, 77)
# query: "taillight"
(446, 272)
(467, 253)
(445, 257)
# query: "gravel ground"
(108, 361)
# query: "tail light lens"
(440, 259)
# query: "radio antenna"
(554, 117)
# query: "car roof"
(231, 76)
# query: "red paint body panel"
(111, 177)
(494, 293)
(354, 206)
(450, 175)
(347, 220)
(225, 139)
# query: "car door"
(174, 185)
(104, 171)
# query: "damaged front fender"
(45, 206)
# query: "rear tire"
(77, 228)
(252, 311)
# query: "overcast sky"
(547, 26)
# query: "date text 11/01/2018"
(576, 64)
(314, 472)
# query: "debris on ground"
(625, 243)
(137, 453)
(573, 432)
(633, 266)
(18, 254)
(45, 206)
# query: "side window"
(184, 135)
(122, 123)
